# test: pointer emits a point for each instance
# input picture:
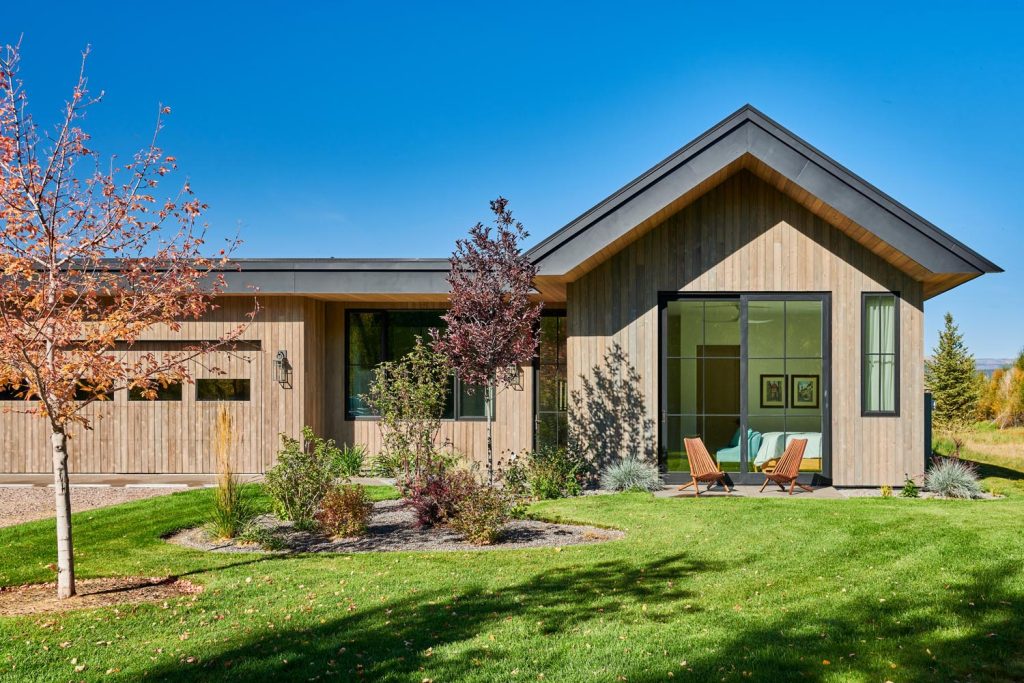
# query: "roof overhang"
(342, 279)
(749, 140)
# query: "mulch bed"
(38, 598)
(391, 529)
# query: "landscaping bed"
(392, 528)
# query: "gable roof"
(749, 139)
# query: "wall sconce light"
(283, 370)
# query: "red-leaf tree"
(89, 261)
(491, 323)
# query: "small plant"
(350, 460)
(546, 473)
(480, 513)
(631, 474)
(265, 538)
(886, 491)
(304, 473)
(910, 489)
(434, 494)
(387, 464)
(953, 478)
(409, 394)
(345, 511)
(231, 511)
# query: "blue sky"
(380, 129)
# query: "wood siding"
(744, 235)
(747, 236)
(177, 436)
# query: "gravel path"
(24, 503)
(391, 529)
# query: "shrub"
(409, 394)
(546, 473)
(953, 478)
(350, 460)
(910, 489)
(262, 536)
(231, 510)
(434, 494)
(302, 477)
(631, 474)
(345, 511)
(886, 491)
(480, 513)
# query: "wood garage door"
(178, 436)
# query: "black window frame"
(562, 364)
(248, 392)
(386, 353)
(134, 395)
(864, 353)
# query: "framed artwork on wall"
(773, 391)
(803, 391)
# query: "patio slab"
(751, 491)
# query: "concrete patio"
(752, 491)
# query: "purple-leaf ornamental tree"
(492, 323)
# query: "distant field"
(999, 454)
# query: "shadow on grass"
(972, 630)
(986, 470)
(395, 639)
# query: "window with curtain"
(377, 336)
(880, 354)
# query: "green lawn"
(709, 589)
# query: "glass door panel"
(784, 380)
(703, 385)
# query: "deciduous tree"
(492, 323)
(90, 260)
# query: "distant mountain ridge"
(989, 365)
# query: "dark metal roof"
(338, 276)
(749, 132)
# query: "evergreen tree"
(950, 376)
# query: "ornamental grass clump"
(231, 511)
(953, 478)
(345, 511)
(631, 474)
(350, 459)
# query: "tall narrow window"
(880, 354)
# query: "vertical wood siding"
(177, 436)
(747, 236)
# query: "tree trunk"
(62, 497)
(489, 411)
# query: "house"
(747, 289)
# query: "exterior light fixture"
(282, 370)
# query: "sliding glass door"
(747, 373)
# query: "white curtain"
(880, 353)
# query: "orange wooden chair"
(788, 467)
(703, 468)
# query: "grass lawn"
(710, 589)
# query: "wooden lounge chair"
(788, 468)
(703, 468)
